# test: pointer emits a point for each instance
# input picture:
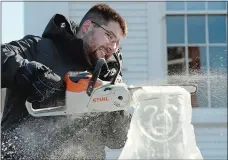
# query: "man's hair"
(103, 14)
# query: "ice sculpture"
(161, 126)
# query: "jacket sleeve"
(15, 55)
(116, 129)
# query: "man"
(59, 50)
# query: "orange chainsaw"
(85, 92)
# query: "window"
(197, 64)
(195, 5)
(176, 60)
(217, 28)
(196, 29)
(218, 80)
(202, 92)
(218, 59)
(197, 60)
(175, 29)
(218, 94)
(197, 47)
(217, 5)
(174, 6)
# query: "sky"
(12, 21)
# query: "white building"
(161, 36)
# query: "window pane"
(218, 60)
(174, 6)
(176, 69)
(218, 80)
(217, 5)
(196, 29)
(197, 60)
(195, 5)
(176, 60)
(175, 29)
(198, 70)
(218, 86)
(202, 91)
(217, 29)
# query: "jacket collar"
(75, 50)
(60, 31)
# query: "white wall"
(210, 126)
(157, 42)
(38, 14)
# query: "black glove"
(108, 75)
(36, 81)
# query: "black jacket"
(58, 137)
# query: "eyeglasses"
(111, 36)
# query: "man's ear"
(86, 27)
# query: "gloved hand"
(109, 75)
(35, 79)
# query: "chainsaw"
(85, 92)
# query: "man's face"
(101, 41)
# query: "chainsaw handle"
(95, 75)
(97, 71)
(119, 67)
(44, 111)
